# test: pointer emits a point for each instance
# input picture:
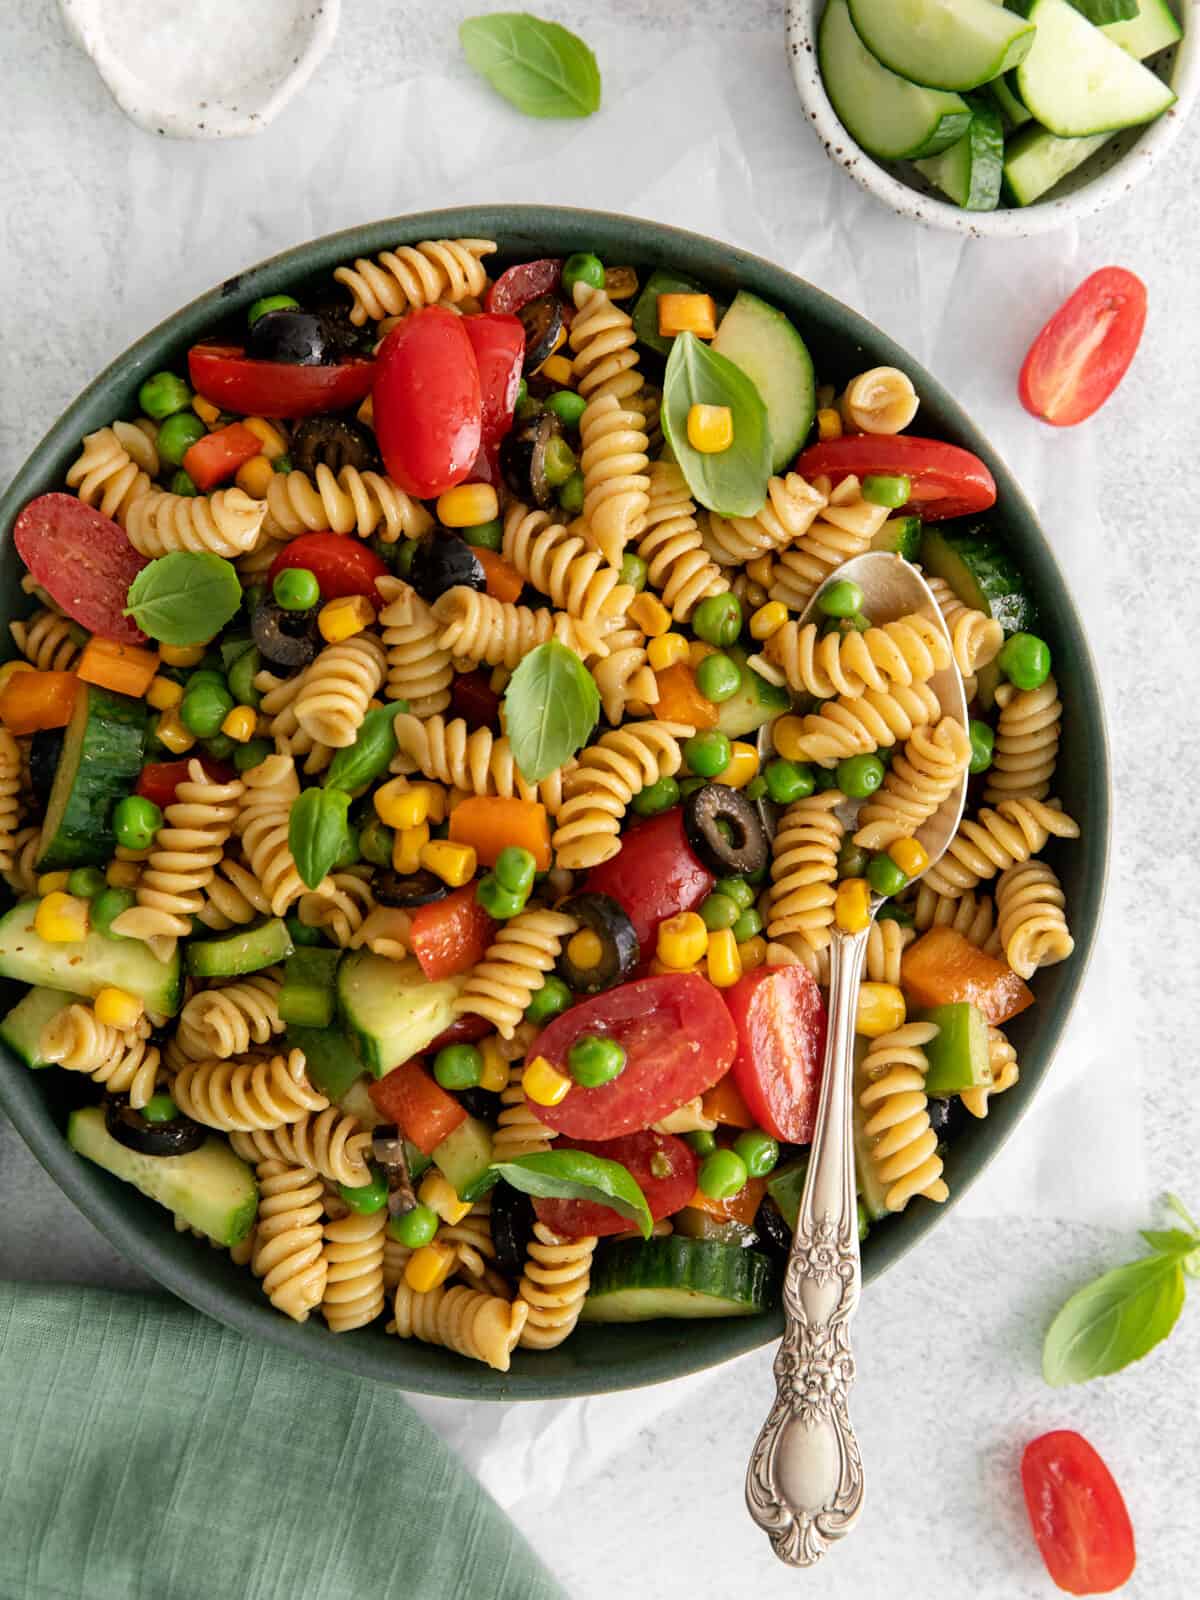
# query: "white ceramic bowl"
(1120, 164)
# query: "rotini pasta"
(124, 1062)
(995, 840)
(48, 640)
(354, 1293)
(882, 400)
(227, 523)
(886, 944)
(844, 529)
(501, 986)
(919, 781)
(277, 709)
(670, 545)
(114, 469)
(597, 791)
(605, 346)
(10, 802)
(1033, 928)
(482, 1326)
(472, 1239)
(411, 276)
(687, 1118)
(330, 1142)
(337, 689)
(22, 850)
(477, 628)
(364, 503)
(478, 763)
(804, 869)
(1002, 1059)
(563, 566)
(873, 721)
(289, 1253)
(1026, 748)
(228, 1020)
(975, 637)
(900, 653)
(519, 1129)
(342, 909)
(625, 675)
(243, 1095)
(232, 898)
(419, 670)
(902, 1145)
(554, 1286)
(792, 506)
(613, 462)
(972, 915)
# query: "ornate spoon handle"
(804, 1486)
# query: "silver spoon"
(804, 1485)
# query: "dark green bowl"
(595, 1359)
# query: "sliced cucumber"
(899, 536)
(958, 1058)
(1077, 82)
(243, 950)
(101, 757)
(392, 1008)
(981, 574)
(21, 1029)
(1009, 104)
(211, 1188)
(645, 312)
(888, 116)
(764, 344)
(308, 997)
(464, 1157)
(942, 44)
(755, 702)
(332, 1063)
(972, 170)
(637, 1281)
(87, 965)
(1153, 29)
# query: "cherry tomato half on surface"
(158, 780)
(499, 346)
(946, 480)
(667, 1189)
(1085, 349)
(341, 565)
(83, 560)
(227, 377)
(523, 283)
(1078, 1514)
(656, 875)
(780, 1020)
(427, 401)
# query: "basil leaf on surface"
(540, 67)
(732, 482)
(186, 597)
(373, 748)
(318, 832)
(551, 705)
(576, 1175)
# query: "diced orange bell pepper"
(740, 1207)
(943, 967)
(490, 822)
(679, 699)
(31, 701)
(723, 1103)
(504, 582)
(687, 313)
(123, 668)
(218, 455)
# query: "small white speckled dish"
(203, 69)
(1123, 162)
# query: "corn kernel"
(659, 969)
(406, 851)
(366, 412)
(852, 905)
(585, 950)
(699, 651)
(494, 1076)
(543, 1084)
(687, 313)
(11, 667)
(710, 428)
(429, 1267)
(344, 617)
(254, 476)
(169, 730)
(52, 882)
(910, 856)
(205, 410)
(400, 804)
(768, 619)
(273, 442)
(122, 874)
(829, 423)
(724, 959)
(682, 940)
(454, 864)
(240, 724)
(181, 655)
(647, 612)
(558, 369)
(468, 505)
(743, 765)
(753, 952)
(788, 737)
(61, 918)
(438, 801)
(164, 693)
(761, 570)
(667, 650)
(881, 1009)
(118, 1008)
(440, 1195)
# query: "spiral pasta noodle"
(419, 670)
(554, 1286)
(227, 1021)
(227, 523)
(844, 529)
(337, 689)
(886, 944)
(47, 640)
(10, 798)
(364, 503)
(792, 506)
(114, 469)
(484, 1327)
(625, 674)
(670, 545)
(975, 637)
(242, 1095)
(514, 968)
(472, 1239)
(255, 564)
(519, 1129)
(804, 869)
(902, 1145)
(882, 400)
(605, 346)
(996, 840)
(906, 651)
(395, 1259)
(873, 721)
(687, 1118)
(613, 461)
(22, 850)
(478, 763)
(232, 898)
(289, 1242)
(597, 791)
(919, 781)
(412, 276)
(1026, 748)
(972, 915)
(277, 709)
(341, 909)
(330, 1143)
(354, 1293)
(478, 628)
(123, 1061)
(563, 566)
(1033, 928)
(1006, 1072)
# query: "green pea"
(366, 1198)
(886, 489)
(718, 678)
(301, 933)
(558, 461)
(248, 756)
(582, 267)
(758, 1150)
(296, 589)
(550, 1001)
(983, 742)
(498, 901)
(135, 821)
(824, 778)
(885, 877)
(160, 1108)
(737, 890)
(756, 789)
(567, 406)
(689, 786)
(202, 710)
(841, 599)
(859, 776)
(707, 754)
(747, 925)
(282, 463)
(634, 571)
(162, 395)
(570, 494)
(270, 302)
(86, 882)
(852, 860)
(656, 797)
(107, 907)
(894, 913)
(213, 675)
(415, 1228)
(485, 535)
(177, 436)
(182, 484)
(515, 870)
(1025, 660)
(376, 840)
(220, 747)
(594, 1060)
(458, 1066)
(241, 678)
(719, 911)
(703, 1141)
(788, 781)
(722, 1175)
(718, 619)
(404, 557)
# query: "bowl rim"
(202, 1279)
(1010, 222)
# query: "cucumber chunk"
(211, 1188)
(888, 116)
(331, 1062)
(86, 966)
(981, 574)
(1077, 82)
(308, 997)
(101, 757)
(645, 311)
(1153, 29)
(764, 344)
(464, 1158)
(243, 950)
(899, 536)
(636, 1281)
(22, 1028)
(942, 44)
(972, 170)
(392, 1008)
(1009, 103)
(958, 1058)
(755, 702)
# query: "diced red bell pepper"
(423, 1110)
(473, 698)
(227, 377)
(943, 967)
(450, 935)
(218, 455)
(158, 780)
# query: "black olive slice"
(44, 753)
(609, 920)
(947, 1117)
(301, 338)
(408, 889)
(481, 1103)
(745, 850)
(512, 1227)
(286, 638)
(445, 562)
(774, 1235)
(523, 459)
(130, 1128)
(543, 322)
(387, 1148)
(333, 442)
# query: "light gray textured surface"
(948, 1344)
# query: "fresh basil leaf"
(1175, 1204)
(1170, 1241)
(184, 598)
(551, 705)
(1114, 1321)
(575, 1175)
(318, 832)
(368, 757)
(731, 482)
(1104, 11)
(542, 68)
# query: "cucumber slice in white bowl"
(972, 170)
(1077, 82)
(942, 44)
(889, 117)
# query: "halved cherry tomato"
(499, 345)
(158, 780)
(1078, 1515)
(466, 1029)
(655, 876)
(473, 698)
(666, 1189)
(227, 377)
(422, 1108)
(450, 935)
(1085, 349)
(340, 565)
(83, 561)
(521, 284)
(780, 1020)
(503, 580)
(428, 406)
(678, 1040)
(218, 455)
(946, 480)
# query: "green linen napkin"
(147, 1453)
